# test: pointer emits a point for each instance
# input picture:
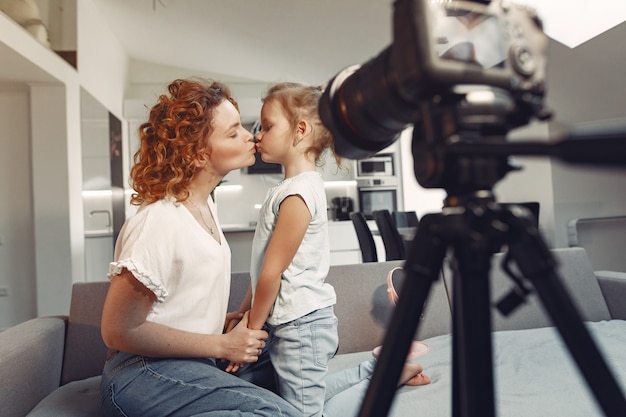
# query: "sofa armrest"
(613, 286)
(31, 356)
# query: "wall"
(590, 92)
(584, 84)
(421, 200)
(56, 186)
(47, 255)
(104, 74)
(17, 269)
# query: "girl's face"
(231, 146)
(276, 135)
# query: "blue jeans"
(299, 351)
(135, 385)
(346, 389)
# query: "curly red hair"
(173, 137)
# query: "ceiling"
(297, 40)
(252, 43)
(257, 40)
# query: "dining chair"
(364, 235)
(392, 241)
(405, 218)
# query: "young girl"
(291, 255)
(291, 249)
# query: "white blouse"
(169, 252)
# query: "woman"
(165, 311)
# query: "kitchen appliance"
(341, 207)
(377, 194)
(377, 166)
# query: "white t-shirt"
(302, 287)
(167, 250)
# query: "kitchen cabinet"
(344, 245)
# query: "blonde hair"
(299, 102)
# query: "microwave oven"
(376, 166)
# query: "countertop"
(242, 227)
(234, 228)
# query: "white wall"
(47, 255)
(57, 206)
(583, 84)
(422, 200)
(17, 269)
(581, 92)
(103, 65)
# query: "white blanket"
(534, 374)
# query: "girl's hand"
(233, 367)
(232, 319)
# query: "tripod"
(474, 227)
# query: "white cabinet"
(344, 245)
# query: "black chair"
(405, 218)
(364, 234)
(394, 245)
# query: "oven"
(377, 194)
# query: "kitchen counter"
(234, 228)
(344, 245)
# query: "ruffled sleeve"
(145, 248)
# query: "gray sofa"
(50, 366)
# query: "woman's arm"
(124, 327)
(293, 221)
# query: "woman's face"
(276, 135)
(231, 146)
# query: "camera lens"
(363, 110)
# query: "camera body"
(437, 45)
(500, 44)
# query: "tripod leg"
(537, 264)
(422, 268)
(473, 384)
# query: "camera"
(437, 46)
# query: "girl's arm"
(125, 328)
(293, 221)
(232, 318)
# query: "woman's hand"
(243, 345)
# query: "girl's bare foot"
(412, 375)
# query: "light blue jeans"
(134, 385)
(299, 351)
(346, 389)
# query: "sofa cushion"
(578, 280)
(534, 373)
(31, 355)
(76, 399)
(85, 352)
